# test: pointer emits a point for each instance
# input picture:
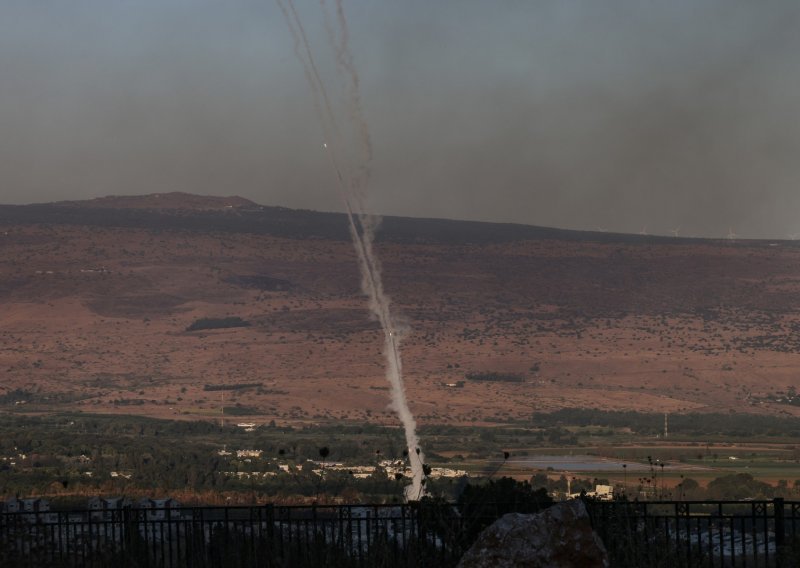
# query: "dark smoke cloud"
(582, 114)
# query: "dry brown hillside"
(97, 301)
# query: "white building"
(159, 509)
(102, 508)
(37, 509)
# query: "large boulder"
(559, 537)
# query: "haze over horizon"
(564, 114)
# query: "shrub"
(218, 323)
(497, 377)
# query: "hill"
(160, 201)
(121, 304)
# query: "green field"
(82, 454)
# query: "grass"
(476, 450)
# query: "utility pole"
(666, 425)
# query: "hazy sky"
(572, 113)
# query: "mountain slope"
(95, 303)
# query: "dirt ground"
(95, 319)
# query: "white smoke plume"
(352, 183)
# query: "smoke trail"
(361, 225)
(339, 37)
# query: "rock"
(559, 537)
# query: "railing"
(343, 535)
(699, 533)
(674, 533)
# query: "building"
(103, 508)
(159, 509)
(36, 509)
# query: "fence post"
(125, 528)
(270, 519)
(780, 524)
(605, 512)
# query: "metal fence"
(343, 535)
(699, 533)
(674, 533)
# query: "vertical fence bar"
(166, 534)
(743, 537)
(721, 533)
(199, 544)
(765, 521)
(403, 531)
(303, 545)
(181, 538)
(270, 515)
(255, 532)
(165, 519)
(689, 548)
(281, 538)
(340, 538)
(362, 520)
(754, 532)
(779, 523)
(61, 527)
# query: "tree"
(739, 486)
(688, 489)
(481, 505)
(540, 480)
